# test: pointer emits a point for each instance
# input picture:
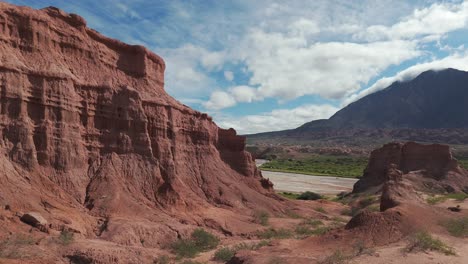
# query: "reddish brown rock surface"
(91, 141)
(429, 167)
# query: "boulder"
(36, 220)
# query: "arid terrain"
(100, 165)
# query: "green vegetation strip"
(338, 166)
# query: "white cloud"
(188, 69)
(229, 75)
(435, 20)
(289, 67)
(244, 94)
(219, 100)
(457, 61)
(278, 119)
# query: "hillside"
(429, 108)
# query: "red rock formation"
(427, 166)
(92, 141)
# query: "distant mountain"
(424, 109)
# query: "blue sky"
(269, 65)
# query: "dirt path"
(294, 182)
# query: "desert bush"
(337, 257)
(204, 240)
(423, 241)
(457, 227)
(66, 237)
(309, 196)
(224, 254)
(261, 217)
(199, 241)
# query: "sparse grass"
(275, 233)
(359, 248)
(226, 253)
(423, 241)
(366, 201)
(276, 260)
(312, 222)
(432, 200)
(435, 199)
(338, 166)
(66, 237)
(293, 214)
(190, 262)
(373, 208)
(321, 230)
(339, 219)
(261, 217)
(10, 248)
(338, 257)
(320, 210)
(162, 260)
(457, 196)
(199, 241)
(457, 227)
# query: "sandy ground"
(293, 182)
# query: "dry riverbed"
(293, 182)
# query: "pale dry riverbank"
(294, 182)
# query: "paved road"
(293, 182)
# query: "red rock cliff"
(428, 166)
(88, 133)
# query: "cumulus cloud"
(435, 21)
(457, 61)
(229, 75)
(278, 119)
(188, 70)
(219, 100)
(289, 67)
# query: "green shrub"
(457, 196)
(66, 237)
(309, 196)
(289, 195)
(204, 240)
(457, 227)
(436, 199)
(261, 217)
(224, 254)
(185, 248)
(199, 241)
(423, 241)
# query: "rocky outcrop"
(426, 166)
(88, 134)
